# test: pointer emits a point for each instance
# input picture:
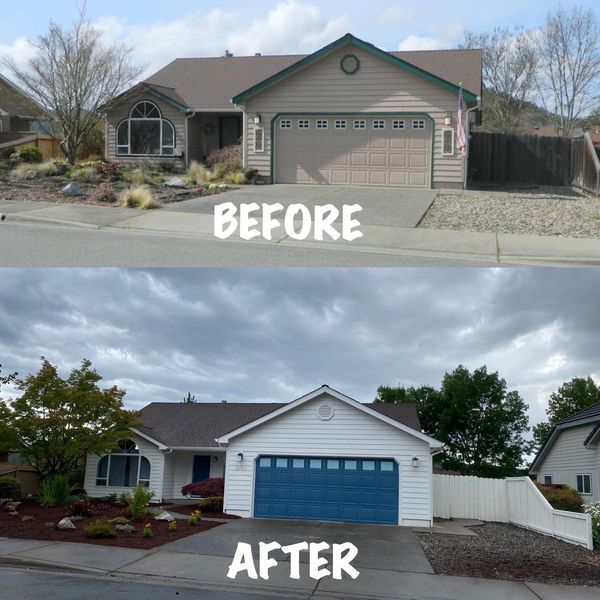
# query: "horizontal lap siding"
(115, 116)
(150, 451)
(377, 87)
(350, 433)
(180, 467)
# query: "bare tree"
(508, 71)
(569, 78)
(73, 75)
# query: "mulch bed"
(14, 527)
(507, 552)
(48, 190)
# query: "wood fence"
(585, 164)
(46, 143)
(503, 159)
(514, 500)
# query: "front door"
(230, 131)
(201, 468)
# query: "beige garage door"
(356, 150)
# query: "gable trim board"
(349, 39)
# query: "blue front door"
(201, 468)
(361, 490)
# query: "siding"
(349, 433)
(377, 87)
(568, 457)
(150, 451)
(178, 471)
(115, 116)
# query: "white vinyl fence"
(513, 500)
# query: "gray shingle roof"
(198, 425)
(587, 413)
(211, 83)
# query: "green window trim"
(420, 115)
(349, 39)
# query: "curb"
(23, 562)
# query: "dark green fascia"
(351, 114)
(173, 103)
(354, 41)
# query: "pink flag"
(461, 136)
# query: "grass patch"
(139, 197)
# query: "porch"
(209, 131)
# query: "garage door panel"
(357, 490)
(354, 156)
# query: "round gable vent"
(325, 412)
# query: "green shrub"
(137, 503)
(55, 491)
(10, 488)
(99, 529)
(211, 504)
(85, 174)
(594, 511)
(29, 154)
(562, 497)
(236, 178)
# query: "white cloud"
(445, 37)
(20, 52)
(397, 14)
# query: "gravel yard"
(507, 552)
(540, 211)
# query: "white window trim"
(453, 132)
(418, 124)
(341, 124)
(360, 124)
(259, 148)
(582, 475)
(322, 124)
(305, 121)
(398, 124)
(139, 466)
(379, 124)
(285, 124)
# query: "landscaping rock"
(164, 516)
(31, 175)
(72, 189)
(13, 513)
(125, 528)
(27, 518)
(66, 523)
(175, 182)
(120, 521)
(11, 506)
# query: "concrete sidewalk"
(209, 572)
(175, 221)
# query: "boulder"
(120, 521)
(27, 518)
(176, 182)
(11, 506)
(125, 527)
(66, 523)
(31, 174)
(164, 516)
(72, 189)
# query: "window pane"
(387, 465)
(101, 482)
(298, 463)
(350, 465)
(102, 467)
(144, 468)
(265, 462)
(281, 463)
(333, 464)
(168, 134)
(548, 479)
(368, 465)
(123, 134)
(315, 463)
(123, 471)
(145, 137)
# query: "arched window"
(145, 132)
(123, 467)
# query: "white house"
(323, 456)
(571, 455)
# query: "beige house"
(349, 114)
(571, 455)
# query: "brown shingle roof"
(198, 425)
(211, 83)
(16, 103)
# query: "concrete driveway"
(379, 546)
(393, 207)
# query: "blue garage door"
(360, 490)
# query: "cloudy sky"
(161, 31)
(272, 335)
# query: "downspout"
(187, 139)
(244, 136)
(468, 140)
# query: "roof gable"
(349, 39)
(368, 409)
(16, 102)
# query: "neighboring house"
(571, 456)
(349, 114)
(323, 456)
(20, 115)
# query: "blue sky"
(160, 31)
